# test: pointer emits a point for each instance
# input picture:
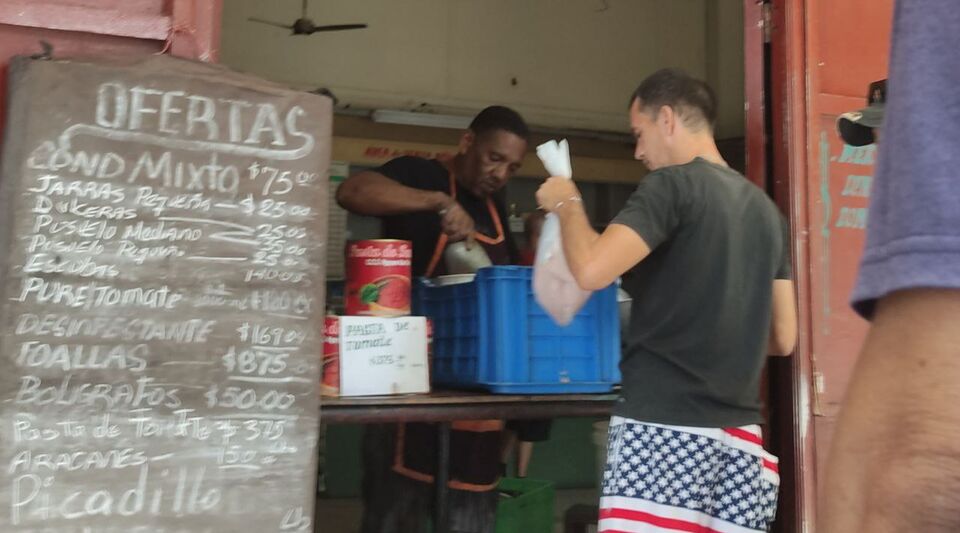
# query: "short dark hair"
(692, 99)
(498, 117)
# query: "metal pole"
(441, 516)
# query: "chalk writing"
(52, 185)
(237, 234)
(160, 319)
(44, 205)
(193, 330)
(84, 267)
(137, 108)
(158, 203)
(48, 157)
(87, 229)
(43, 244)
(270, 335)
(248, 398)
(65, 391)
(91, 295)
(69, 357)
(264, 360)
(295, 520)
(118, 458)
(274, 274)
(32, 500)
(273, 208)
(209, 176)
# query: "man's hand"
(456, 222)
(594, 260)
(557, 192)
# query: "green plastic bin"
(525, 506)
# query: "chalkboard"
(162, 231)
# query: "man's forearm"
(595, 260)
(369, 193)
(895, 459)
(578, 238)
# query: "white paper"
(383, 356)
(556, 158)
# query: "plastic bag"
(553, 284)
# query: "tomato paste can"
(330, 383)
(378, 277)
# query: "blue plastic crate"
(492, 334)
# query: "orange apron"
(481, 238)
(475, 426)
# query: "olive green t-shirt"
(700, 321)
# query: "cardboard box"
(369, 356)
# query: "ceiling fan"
(305, 26)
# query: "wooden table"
(443, 407)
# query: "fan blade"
(271, 23)
(338, 27)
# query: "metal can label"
(330, 383)
(378, 278)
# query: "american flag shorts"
(661, 478)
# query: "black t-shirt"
(474, 451)
(702, 300)
(423, 228)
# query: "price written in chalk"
(261, 361)
(245, 398)
(273, 208)
(279, 182)
(270, 336)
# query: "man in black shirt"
(712, 296)
(461, 198)
(433, 203)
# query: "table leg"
(441, 511)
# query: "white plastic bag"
(553, 285)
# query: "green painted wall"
(567, 459)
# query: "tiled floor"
(343, 515)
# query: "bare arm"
(783, 322)
(895, 460)
(597, 260)
(373, 194)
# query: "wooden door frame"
(776, 143)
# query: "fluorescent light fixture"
(413, 118)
